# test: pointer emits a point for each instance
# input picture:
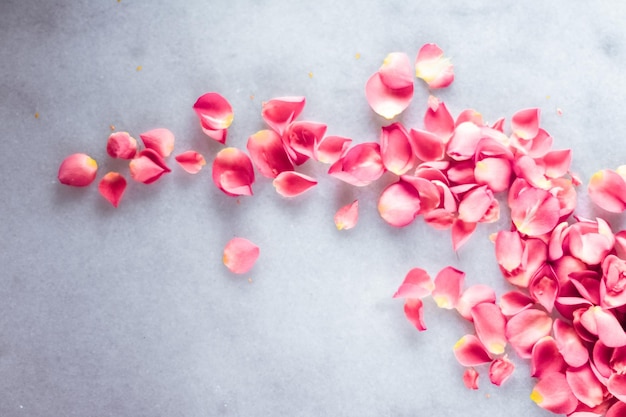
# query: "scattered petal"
(347, 216)
(469, 351)
(191, 161)
(525, 328)
(395, 73)
(500, 370)
(395, 149)
(385, 101)
(232, 172)
(148, 167)
(490, 326)
(78, 170)
(416, 284)
(399, 204)
(291, 183)
(514, 302)
(427, 146)
(546, 358)
(301, 139)
(553, 393)
(240, 255)
(470, 378)
(279, 112)
(585, 385)
(605, 325)
(268, 153)
(525, 123)
(607, 189)
(535, 212)
(432, 67)
(121, 145)
(214, 111)
(161, 140)
(360, 166)
(473, 296)
(112, 187)
(570, 346)
(414, 312)
(331, 148)
(448, 287)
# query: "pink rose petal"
(395, 149)
(605, 325)
(77, 170)
(469, 351)
(514, 302)
(112, 187)
(607, 189)
(553, 393)
(417, 284)
(148, 166)
(525, 328)
(396, 73)
(386, 101)
(360, 166)
(427, 146)
(439, 121)
(232, 172)
(490, 326)
(347, 216)
(268, 153)
(414, 312)
(546, 358)
(500, 370)
(585, 385)
(525, 123)
(470, 378)
(535, 212)
(191, 161)
(121, 145)
(301, 139)
(472, 296)
(279, 112)
(214, 111)
(291, 183)
(161, 140)
(569, 344)
(240, 255)
(331, 148)
(432, 67)
(448, 287)
(399, 204)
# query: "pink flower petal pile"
(566, 311)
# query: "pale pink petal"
(161, 140)
(500, 370)
(112, 187)
(461, 232)
(395, 149)
(279, 112)
(240, 255)
(494, 144)
(470, 352)
(494, 172)
(617, 386)
(331, 148)
(525, 328)
(301, 139)
(585, 385)
(535, 212)
(396, 72)
(509, 250)
(448, 287)
(544, 287)
(605, 325)
(191, 161)
(268, 153)
(607, 189)
(464, 141)
(427, 146)
(490, 324)
(77, 170)
(439, 121)
(591, 242)
(553, 393)
(557, 162)
(569, 344)
(385, 101)
(527, 168)
(399, 204)
(473, 296)
(525, 123)
(620, 244)
(121, 145)
(514, 302)
(414, 312)
(417, 284)
(428, 192)
(546, 358)
(613, 284)
(347, 216)
(617, 410)
(232, 172)
(475, 204)
(148, 166)
(432, 67)
(471, 116)
(462, 174)
(432, 102)
(360, 166)
(470, 378)
(291, 183)
(214, 111)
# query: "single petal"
(432, 67)
(148, 167)
(473, 296)
(493, 172)
(395, 149)
(112, 187)
(490, 325)
(385, 101)
(428, 192)
(461, 173)
(557, 162)
(525, 328)
(475, 204)
(535, 212)
(399, 204)
(461, 232)
(464, 141)
(279, 112)
(219, 135)
(121, 145)
(617, 410)
(78, 170)
(427, 146)
(569, 344)
(514, 302)
(525, 123)
(617, 386)
(214, 111)
(439, 121)
(545, 358)
(191, 161)
(591, 242)
(607, 189)
(544, 287)
(291, 183)
(396, 73)
(414, 312)
(585, 385)
(347, 216)
(161, 140)
(553, 393)
(331, 148)
(417, 284)
(232, 172)
(613, 283)
(360, 166)
(605, 325)
(301, 139)
(470, 352)
(500, 370)
(448, 287)
(470, 378)
(240, 255)
(268, 153)
(509, 250)
(471, 116)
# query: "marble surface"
(130, 312)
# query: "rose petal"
(427, 146)
(535, 212)
(432, 67)
(553, 393)
(396, 73)
(473, 296)
(347, 216)
(301, 139)
(399, 204)
(470, 378)
(331, 148)
(148, 167)
(493, 172)
(439, 121)
(525, 328)
(607, 189)
(448, 287)
(360, 166)
(121, 145)
(232, 172)
(417, 284)
(112, 187)
(605, 325)
(240, 255)
(525, 123)
(546, 358)
(77, 170)
(385, 101)
(470, 352)
(544, 287)
(500, 370)
(279, 112)
(291, 183)
(191, 161)
(214, 111)
(268, 153)
(490, 325)
(585, 385)
(569, 344)
(395, 149)
(161, 140)
(414, 312)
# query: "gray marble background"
(131, 313)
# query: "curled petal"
(219, 135)
(553, 393)
(191, 161)
(473, 296)
(279, 112)
(416, 284)
(500, 370)
(240, 255)
(161, 140)
(414, 312)
(395, 149)
(268, 153)
(112, 187)
(525, 328)
(535, 212)
(121, 145)
(347, 216)
(490, 326)
(427, 146)
(360, 166)
(291, 183)
(590, 242)
(439, 121)
(448, 287)
(470, 378)
(544, 287)
(525, 123)
(613, 284)
(399, 204)
(331, 148)
(585, 385)
(464, 141)
(432, 67)
(396, 73)
(470, 352)
(514, 302)
(301, 139)
(607, 189)
(545, 358)
(148, 167)
(214, 111)
(385, 101)
(78, 170)
(232, 172)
